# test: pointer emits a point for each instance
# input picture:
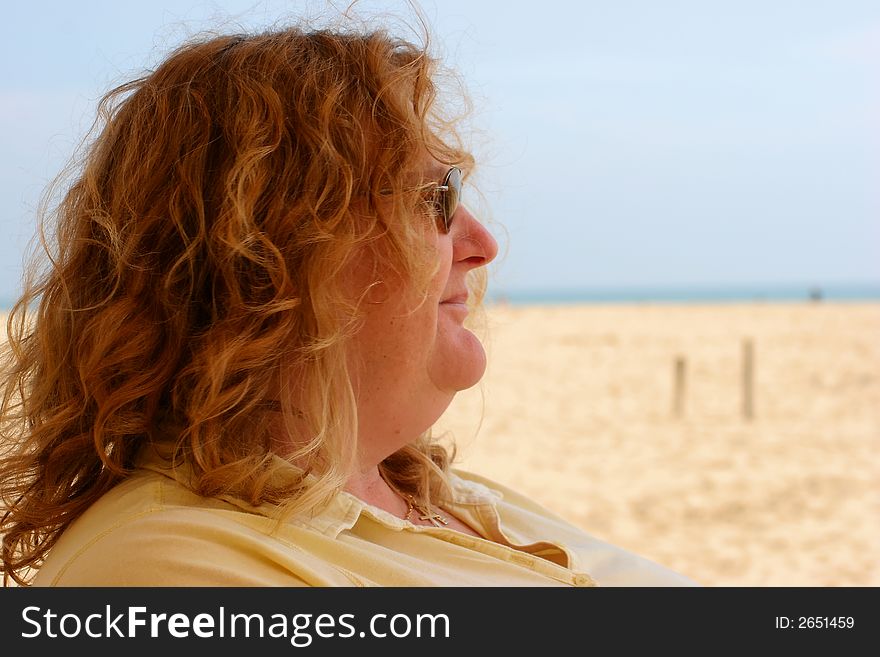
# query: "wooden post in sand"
(678, 386)
(748, 380)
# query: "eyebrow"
(437, 172)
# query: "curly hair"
(197, 272)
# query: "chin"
(463, 366)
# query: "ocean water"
(692, 294)
(866, 292)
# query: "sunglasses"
(447, 196)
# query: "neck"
(366, 483)
(371, 487)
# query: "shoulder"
(151, 531)
(525, 520)
(508, 501)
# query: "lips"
(459, 299)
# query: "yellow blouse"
(153, 531)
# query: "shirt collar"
(343, 510)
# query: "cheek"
(395, 343)
(401, 332)
(415, 335)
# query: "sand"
(578, 410)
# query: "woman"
(253, 315)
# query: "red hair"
(197, 265)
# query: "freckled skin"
(407, 363)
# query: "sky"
(620, 144)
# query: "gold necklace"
(424, 513)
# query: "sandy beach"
(578, 409)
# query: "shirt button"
(582, 580)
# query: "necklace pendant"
(424, 514)
(435, 518)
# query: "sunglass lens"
(452, 196)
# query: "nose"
(472, 243)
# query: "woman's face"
(411, 356)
